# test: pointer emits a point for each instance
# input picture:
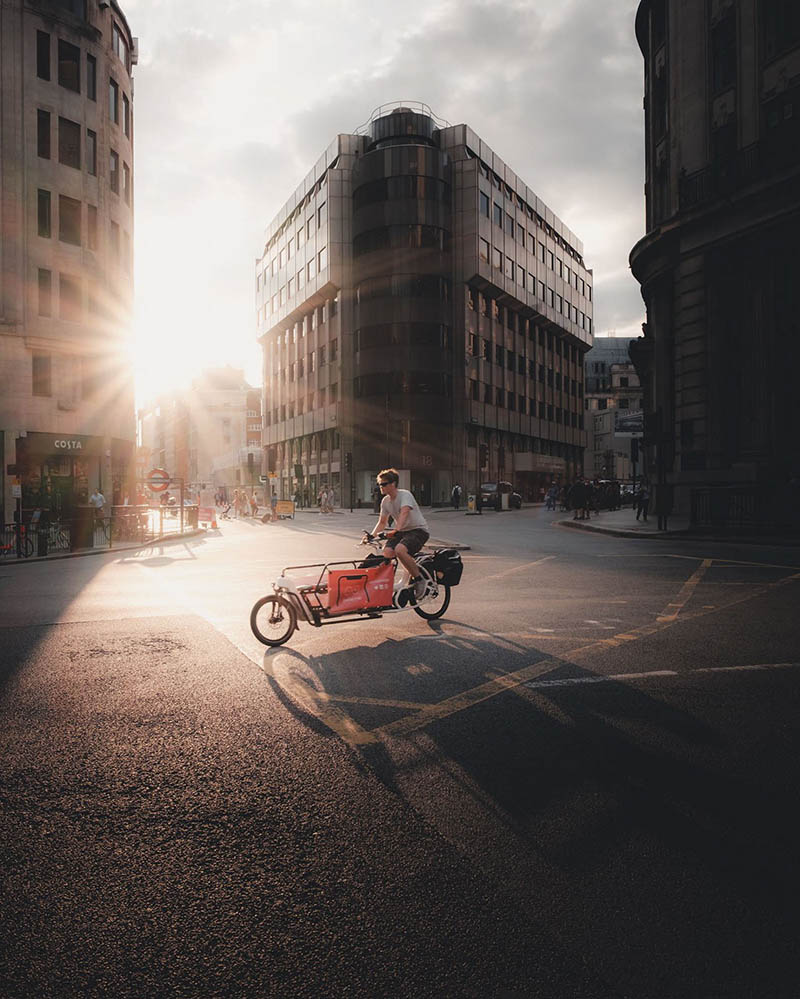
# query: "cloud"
(233, 111)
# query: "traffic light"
(484, 455)
(348, 460)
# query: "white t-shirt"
(391, 508)
(97, 500)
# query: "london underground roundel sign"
(157, 479)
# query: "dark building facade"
(719, 264)
(419, 306)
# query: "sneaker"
(420, 585)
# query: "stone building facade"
(419, 306)
(719, 263)
(67, 418)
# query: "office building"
(419, 306)
(613, 402)
(719, 262)
(67, 419)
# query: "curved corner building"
(419, 306)
(67, 421)
(720, 262)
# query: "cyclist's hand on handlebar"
(366, 537)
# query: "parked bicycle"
(332, 592)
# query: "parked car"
(492, 493)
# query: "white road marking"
(579, 681)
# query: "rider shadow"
(439, 700)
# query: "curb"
(166, 539)
(683, 535)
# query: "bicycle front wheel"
(437, 599)
(273, 620)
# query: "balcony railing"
(755, 162)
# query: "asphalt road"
(581, 781)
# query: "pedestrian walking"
(273, 502)
(642, 501)
(98, 501)
(455, 496)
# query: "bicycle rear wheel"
(273, 620)
(437, 599)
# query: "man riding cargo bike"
(353, 590)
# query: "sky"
(234, 104)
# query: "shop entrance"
(421, 488)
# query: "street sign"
(157, 480)
(262, 478)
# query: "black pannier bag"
(448, 566)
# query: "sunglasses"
(382, 484)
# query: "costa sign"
(68, 445)
(157, 480)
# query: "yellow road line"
(466, 699)
(673, 609)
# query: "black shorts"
(413, 540)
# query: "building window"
(69, 66)
(41, 370)
(497, 259)
(499, 397)
(333, 393)
(322, 214)
(509, 224)
(91, 152)
(126, 183)
(43, 55)
(91, 228)
(334, 349)
(91, 77)
(126, 115)
(723, 54)
(512, 401)
(69, 298)
(69, 220)
(114, 171)
(498, 214)
(45, 292)
(115, 247)
(45, 228)
(69, 143)
(310, 269)
(43, 133)
(487, 350)
(322, 259)
(120, 47)
(113, 100)
(484, 250)
(483, 198)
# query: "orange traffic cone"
(214, 521)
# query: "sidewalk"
(623, 524)
(118, 546)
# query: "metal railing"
(139, 525)
(734, 506)
(417, 107)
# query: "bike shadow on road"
(512, 718)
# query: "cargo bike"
(335, 592)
